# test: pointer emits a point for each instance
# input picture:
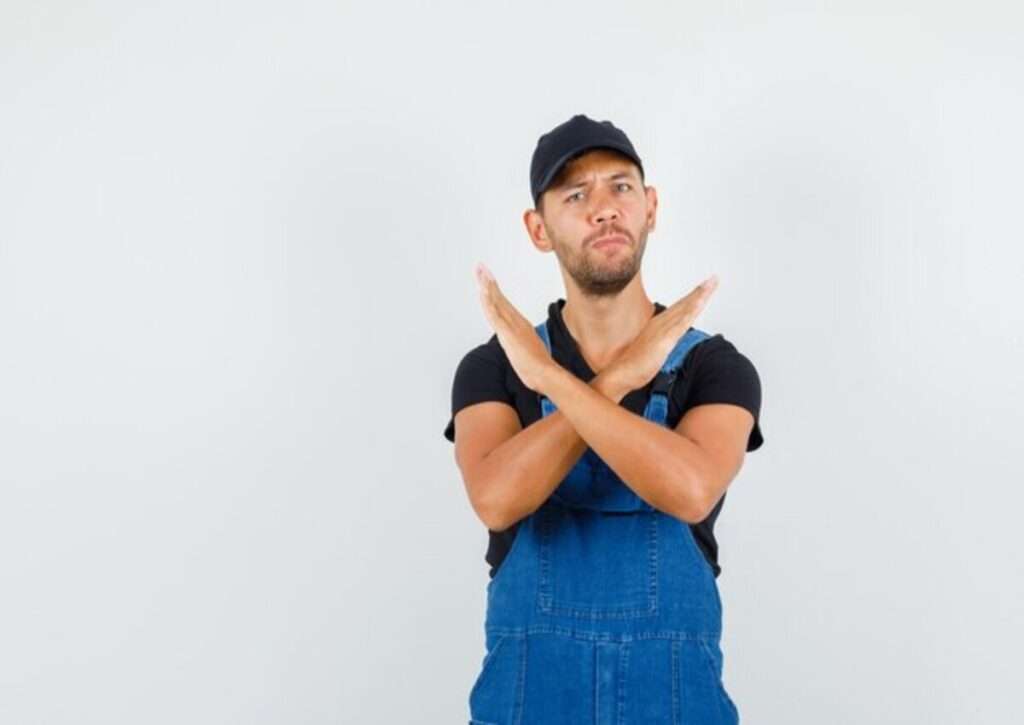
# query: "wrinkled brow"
(611, 177)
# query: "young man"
(597, 447)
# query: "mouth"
(609, 241)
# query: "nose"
(604, 210)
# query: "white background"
(236, 253)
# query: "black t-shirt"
(713, 372)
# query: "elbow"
(494, 507)
(491, 518)
(496, 519)
(691, 514)
(696, 505)
(501, 515)
(491, 511)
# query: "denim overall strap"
(591, 484)
(657, 406)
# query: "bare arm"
(682, 472)
(508, 470)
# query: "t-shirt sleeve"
(725, 375)
(479, 377)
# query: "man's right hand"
(642, 360)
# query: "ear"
(535, 228)
(652, 207)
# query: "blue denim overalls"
(604, 611)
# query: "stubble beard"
(599, 277)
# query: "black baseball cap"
(566, 141)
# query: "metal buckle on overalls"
(663, 383)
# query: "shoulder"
(481, 375)
(717, 354)
(489, 353)
(715, 371)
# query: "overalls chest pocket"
(596, 564)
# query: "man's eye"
(623, 183)
(570, 197)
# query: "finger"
(494, 289)
(489, 288)
(482, 277)
(488, 283)
(481, 287)
(694, 296)
(484, 294)
(501, 304)
(689, 307)
(485, 273)
(496, 311)
(707, 288)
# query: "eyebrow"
(612, 177)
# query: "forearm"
(659, 464)
(523, 471)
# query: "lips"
(607, 241)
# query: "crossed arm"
(510, 471)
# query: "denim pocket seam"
(548, 604)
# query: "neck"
(603, 326)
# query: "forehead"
(600, 161)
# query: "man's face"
(596, 218)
